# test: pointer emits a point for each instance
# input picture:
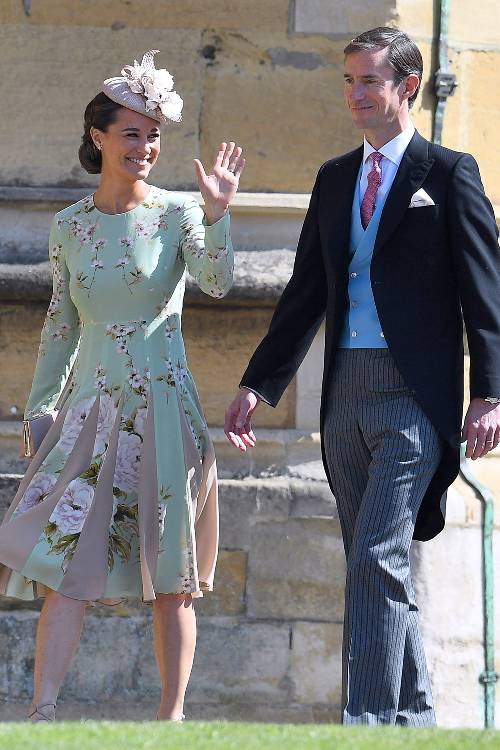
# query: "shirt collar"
(394, 149)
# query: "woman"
(120, 499)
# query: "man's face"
(372, 96)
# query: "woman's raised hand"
(219, 187)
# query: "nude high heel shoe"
(181, 718)
(38, 715)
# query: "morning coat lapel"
(336, 211)
(412, 171)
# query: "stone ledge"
(260, 277)
(278, 453)
(282, 203)
(262, 203)
(252, 499)
(251, 675)
(144, 710)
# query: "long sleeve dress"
(120, 499)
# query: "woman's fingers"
(220, 154)
(240, 166)
(234, 158)
(227, 155)
(200, 171)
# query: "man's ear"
(411, 84)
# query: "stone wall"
(218, 345)
(270, 634)
(255, 630)
(268, 74)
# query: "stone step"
(284, 452)
(278, 452)
(242, 670)
(260, 221)
(261, 275)
(145, 710)
(278, 497)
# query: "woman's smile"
(141, 162)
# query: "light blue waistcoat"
(361, 326)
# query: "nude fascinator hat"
(145, 89)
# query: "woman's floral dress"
(121, 497)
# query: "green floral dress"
(120, 500)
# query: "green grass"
(105, 735)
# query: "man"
(399, 241)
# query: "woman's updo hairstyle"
(99, 113)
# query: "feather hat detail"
(145, 89)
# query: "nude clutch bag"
(34, 431)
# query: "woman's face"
(130, 146)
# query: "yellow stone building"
(268, 74)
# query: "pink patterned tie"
(374, 180)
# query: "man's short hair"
(402, 53)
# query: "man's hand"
(238, 426)
(481, 428)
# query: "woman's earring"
(98, 146)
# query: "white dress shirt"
(392, 152)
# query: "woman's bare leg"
(174, 628)
(57, 638)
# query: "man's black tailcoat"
(431, 265)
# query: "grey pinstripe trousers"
(382, 451)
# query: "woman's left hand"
(219, 187)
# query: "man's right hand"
(238, 427)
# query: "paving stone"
(145, 710)
(312, 499)
(255, 72)
(176, 14)
(344, 18)
(237, 504)
(17, 633)
(115, 658)
(9, 484)
(235, 661)
(241, 662)
(317, 662)
(454, 667)
(296, 570)
(228, 596)
(455, 598)
(242, 502)
(52, 67)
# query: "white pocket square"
(421, 198)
